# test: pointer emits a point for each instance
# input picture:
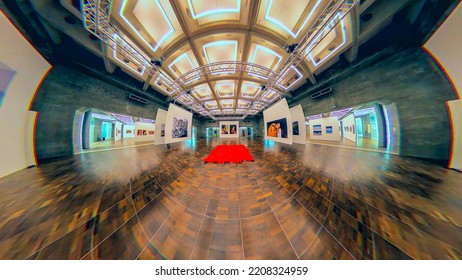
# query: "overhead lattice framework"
(191, 55)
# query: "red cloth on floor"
(229, 153)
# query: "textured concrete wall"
(62, 93)
(412, 80)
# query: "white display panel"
(446, 45)
(159, 137)
(128, 131)
(229, 129)
(327, 129)
(22, 70)
(349, 128)
(455, 111)
(298, 125)
(177, 124)
(278, 123)
(117, 131)
(144, 131)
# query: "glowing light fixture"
(299, 75)
(269, 52)
(270, 96)
(202, 93)
(227, 103)
(181, 59)
(226, 10)
(114, 54)
(316, 63)
(185, 99)
(284, 27)
(164, 14)
(223, 92)
(243, 104)
(221, 46)
(211, 105)
(246, 93)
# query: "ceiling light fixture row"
(327, 20)
(96, 14)
(96, 19)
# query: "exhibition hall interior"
(230, 129)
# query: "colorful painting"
(232, 129)
(6, 77)
(151, 132)
(329, 130)
(141, 132)
(179, 127)
(277, 128)
(224, 129)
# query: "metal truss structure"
(96, 18)
(227, 67)
(332, 15)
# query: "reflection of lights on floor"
(269, 143)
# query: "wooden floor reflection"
(292, 202)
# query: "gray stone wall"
(412, 80)
(64, 91)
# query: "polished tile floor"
(292, 202)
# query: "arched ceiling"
(223, 58)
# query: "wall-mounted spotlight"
(263, 87)
(290, 48)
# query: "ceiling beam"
(352, 53)
(182, 21)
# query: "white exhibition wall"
(327, 129)
(226, 129)
(298, 125)
(117, 131)
(455, 110)
(278, 114)
(144, 131)
(26, 69)
(160, 125)
(128, 131)
(178, 124)
(445, 46)
(449, 55)
(349, 127)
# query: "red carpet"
(229, 153)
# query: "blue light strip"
(192, 66)
(171, 31)
(295, 82)
(267, 50)
(337, 48)
(114, 54)
(214, 12)
(220, 43)
(268, 93)
(285, 28)
(177, 60)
